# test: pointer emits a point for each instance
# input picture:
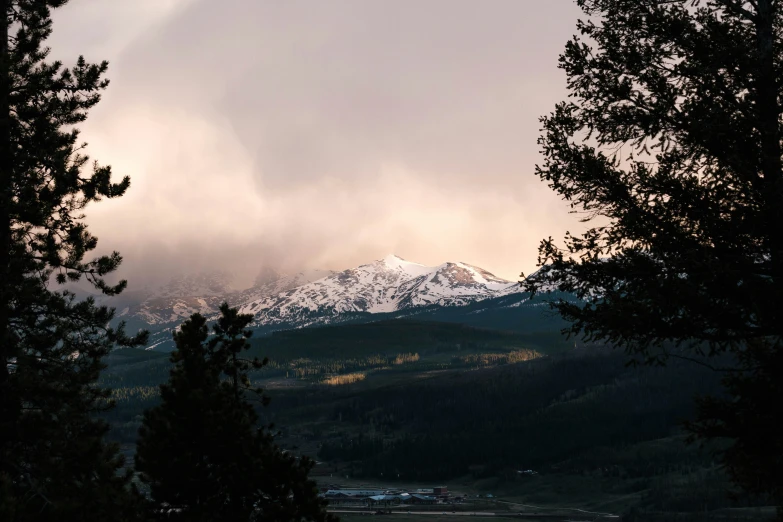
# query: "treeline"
(134, 375)
(493, 359)
(392, 337)
(305, 367)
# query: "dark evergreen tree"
(201, 451)
(228, 343)
(670, 144)
(54, 464)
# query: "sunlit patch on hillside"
(348, 378)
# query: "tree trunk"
(769, 129)
(236, 375)
(6, 401)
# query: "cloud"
(323, 134)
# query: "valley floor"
(557, 497)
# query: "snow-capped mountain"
(278, 300)
(204, 293)
(388, 285)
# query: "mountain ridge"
(388, 286)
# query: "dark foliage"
(537, 415)
(53, 463)
(671, 145)
(201, 451)
(576, 415)
(745, 416)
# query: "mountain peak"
(395, 262)
(387, 285)
(392, 258)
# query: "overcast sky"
(322, 133)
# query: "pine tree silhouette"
(54, 464)
(201, 451)
(670, 146)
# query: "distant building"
(377, 497)
(386, 500)
(355, 493)
(422, 499)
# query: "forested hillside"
(545, 414)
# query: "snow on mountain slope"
(204, 293)
(277, 300)
(387, 285)
(163, 310)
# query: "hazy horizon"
(321, 135)
(239, 284)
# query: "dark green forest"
(440, 401)
(397, 348)
(525, 416)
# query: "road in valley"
(500, 514)
(438, 513)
